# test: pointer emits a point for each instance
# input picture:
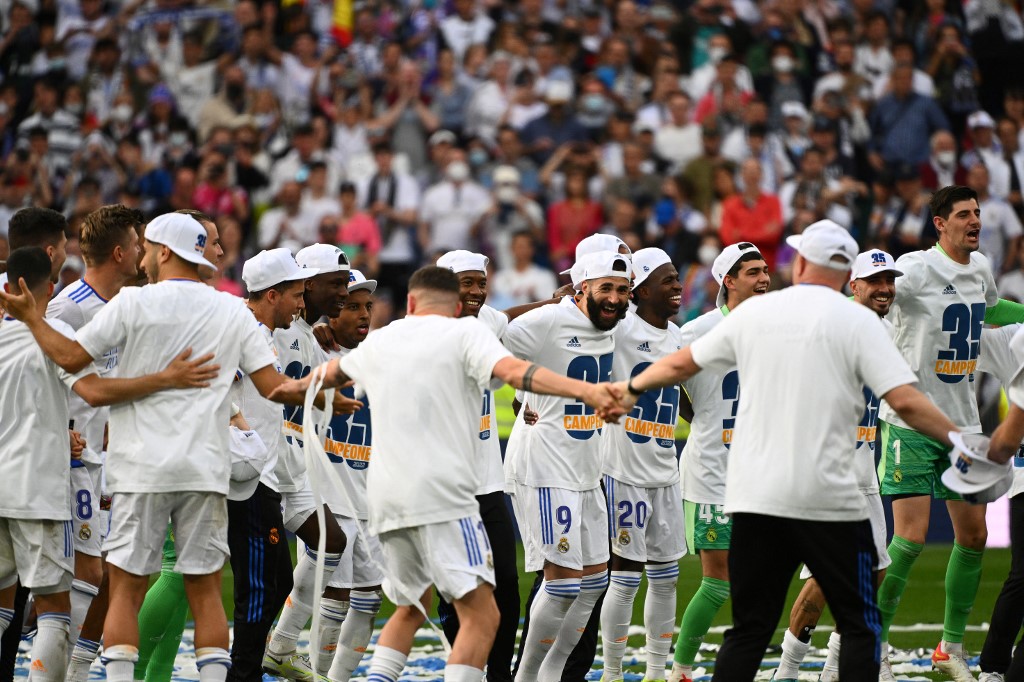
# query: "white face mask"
(707, 254)
(946, 158)
(783, 63)
(457, 171)
(122, 113)
(506, 194)
(716, 53)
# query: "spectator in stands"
(1000, 240)
(466, 26)
(752, 216)
(449, 98)
(1011, 285)
(558, 126)
(700, 172)
(358, 234)
(1009, 139)
(902, 122)
(285, 224)
(986, 149)
(572, 219)
(941, 168)
(634, 184)
(677, 139)
(451, 208)
(511, 212)
(62, 129)
(522, 281)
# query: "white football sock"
(120, 662)
(591, 589)
(553, 600)
(332, 615)
(82, 656)
(660, 616)
(355, 634)
(299, 605)
(50, 647)
(793, 653)
(832, 660)
(616, 614)
(386, 665)
(82, 594)
(453, 672)
(213, 663)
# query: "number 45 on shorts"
(707, 526)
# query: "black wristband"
(631, 389)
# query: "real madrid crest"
(897, 476)
(563, 545)
(624, 538)
(274, 536)
(711, 535)
(85, 532)
(490, 562)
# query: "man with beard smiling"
(299, 352)
(711, 402)
(873, 281)
(353, 596)
(641, 479)
(552, 469)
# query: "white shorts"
(645, 524)
(138, 528)
(362, 562)
(567, 528)
(453, 556)
(296, 507)
(38, 552)
(876, 515)
(89, 528)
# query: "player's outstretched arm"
(533, 378)
(668, 371)
(920, 413)
(62, 350)
(1008, 436)
(273, 386)
(181, 373)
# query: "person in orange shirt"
(753, 215)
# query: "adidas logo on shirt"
(950, 290)
(573, 343)
(295, 345)
(644, 347)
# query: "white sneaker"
(885, 671)
(990, 677)
(829, 676)
(291, 666)
(952, 665)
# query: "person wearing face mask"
(452, 207)
(782, 84)
(229, 103)
(702, 78)
(510, 213)
(543, 135)
(594, 107)
(941, 168)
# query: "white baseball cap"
(272, 267)
(357, 281)
(182, 234)
(442, 137)
(597, 243)
(558, 91)
(823, 242)
(795, 109)
(605, 264)
(506, 175)
(971, 472)
(725, 261)
(980, 119)
(871, 263)
(646, 261)
(248, 457)
(326, 258)
(461, 260)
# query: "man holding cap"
(324, 296)
(552, 469)
(168, 453)
(873, 281)
(641, 476)
(710, 403)
(260, 558)
(791, 481)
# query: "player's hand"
(21, 307)
(290, 391)
(185, 373)
(529, 416)
(343, 404)
(325, 337)
(978, 444)
(626, 399)
(77, 444)
(564, 290)
(604, 398)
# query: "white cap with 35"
(272, 267)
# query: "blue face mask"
(478, 157)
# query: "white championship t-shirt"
(34, 445)
(424, 376)
(263, 416)
(805, 354)
(641, 449)
(488, 447)
(715, 396)
(938, 315)
(1002, 356)
(75, 305)
(299, 353)
(174, 441)
(348, 446)
(867, 429)
(562, 449)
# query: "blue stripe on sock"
(87, 644)
(597, 581)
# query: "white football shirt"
(424, 376)
(805, 354)
(34, 448)
(1002, 356)
(641, 449)
(299, 353)
(492, 475)
(75, 305)
(263, 416)
(174, 441)
(867, 428)
(938, 315)
(715, 397)
(562, 449)
(348, 446)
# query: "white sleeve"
(996, 357)
(354, 363)
(109, 329)
(481, 352)
(68, 378)
(256, 354)
(717, 350)
(879, 364)
(526, 334)
(64, 309)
